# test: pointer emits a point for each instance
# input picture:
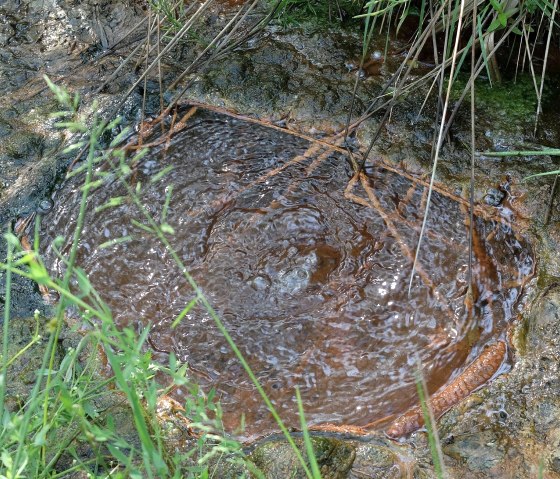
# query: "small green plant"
(173, 14)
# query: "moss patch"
(319, 13)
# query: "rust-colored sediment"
(474, 376)
(340, 429)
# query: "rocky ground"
(303, 79)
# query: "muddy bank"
(70, 42)
(303, 80)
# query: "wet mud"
(303, 80)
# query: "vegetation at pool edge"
(430, 422)
(318, 13)
(468, 27)
(62, 399)
(29, 264)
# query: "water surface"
(311, 285)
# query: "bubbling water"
(311, 286)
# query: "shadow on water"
(312, 286)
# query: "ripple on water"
(312, 286)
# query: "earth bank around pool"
(506, 429)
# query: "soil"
(301, 79)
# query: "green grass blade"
(5, 337)
(433, 436)
(307, 439)
(545, 152)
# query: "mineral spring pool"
(311, 285)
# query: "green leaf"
(510, 12)
(13, 240)
(83, 281)
(113, 123)
(75, 146)
(99, 434)
(60, 114)
(183, 313)
(58, 242)
(113, 202)
(76, 171)
(61, 94)
(142, 226)
(115, 241)
(167, 229)
(120, 137)
(125, 169)
(160, 174)
(496, 5)
(76, 101)
(91, 186)
(73, 126)
(90, 409)
(6, 459)
(168, 193)
(38, 273)
(118, 454)
(502, 18)
(495, 25)
(41, 437)
(141, 154)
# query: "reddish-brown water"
(312, 286)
